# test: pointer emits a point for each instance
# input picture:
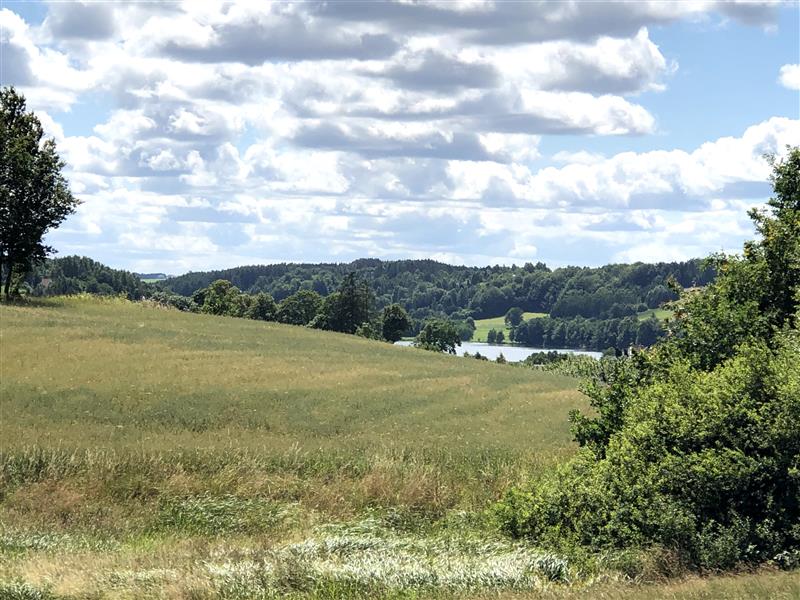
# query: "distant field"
(482, 326)
(658, 313)
(152, 279)
(148, 453)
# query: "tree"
(395, 322)
(466, 329)
(491, 337)
(514, 316)
(262, 307)
(500, 337)
(34, 195)
(439, 335)
(349, 307)
(299, 308)
(222, 298)
(779, 226)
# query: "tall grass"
(146, 453)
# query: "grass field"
(148, 453)
(482, 326)
(658, 313)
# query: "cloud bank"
(203, 135)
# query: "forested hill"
(77, 274)
(426, 287)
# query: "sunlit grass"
(147, 453)
(483, 326)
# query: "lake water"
(512, 353)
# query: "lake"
(512, 353)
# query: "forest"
(592, 308)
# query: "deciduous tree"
(395, 322)
(34, 194)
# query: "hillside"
(220, 379)
(152, 453)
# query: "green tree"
(466, 329)
(222, 298)
(491, 336)
(34, 194)
(371, 331)
(300, 308)
(779, 226)
(439, 335)
(349, 307)
(513, 317)
(262, 307)
(500, 338)
(395, 322)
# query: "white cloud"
(245, 132)
(790, 77)
(581, 157)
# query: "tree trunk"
(9, 275)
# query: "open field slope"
(148, 453)
(114, 374)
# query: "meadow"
(483, 326)
(658, 313)
(148, 453)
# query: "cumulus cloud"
(246, 132)
(277, 34)
(80, 21)
(790, 77)
(504, 23)
(435, 71)
(610, 66)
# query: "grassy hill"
(128, 370)
(148, 453)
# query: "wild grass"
(483, 326)
(147, 453)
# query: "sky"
(209, 135)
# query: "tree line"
(427, 288)
(349, 309)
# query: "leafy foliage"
(514, 316)
(594, 334)
(348, 308)
(299, 308)
(694, 444)
(34, 195)
(395, 322)
(439, 336)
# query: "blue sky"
(206, 135)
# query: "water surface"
(511, 353)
